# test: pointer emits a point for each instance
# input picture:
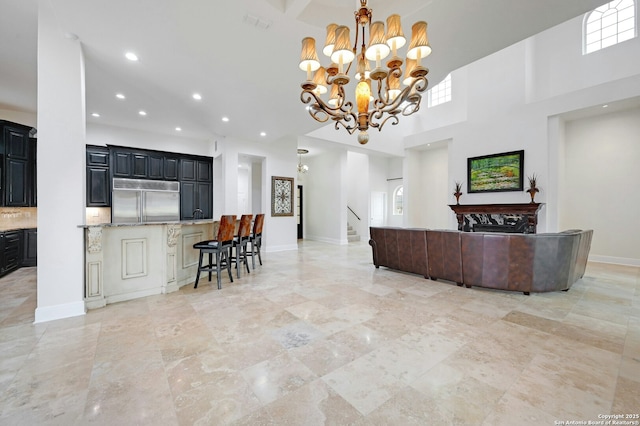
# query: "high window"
(609, 24)
(397, 201)
(440, 93)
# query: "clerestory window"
(609, 24)
(440, 93)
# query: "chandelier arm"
(394, 120)
(321, 112)
(349, 128)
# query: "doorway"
(299, 210)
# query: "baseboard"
(615, 260)
(56, 312)
(340, 242)
(273, 249)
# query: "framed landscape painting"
(496, 172)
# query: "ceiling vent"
(254, 21)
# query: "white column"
(61, 170)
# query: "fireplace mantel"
(530, 210)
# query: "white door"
(378, 207)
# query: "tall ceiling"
(241, 55)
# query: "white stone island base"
(124, 262)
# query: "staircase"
(352, 235)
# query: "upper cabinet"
(17, 163)
(98, 178)
(195, 174)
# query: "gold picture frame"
(281, 196)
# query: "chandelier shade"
(330, 41)
(395, 36)
(378, 48)
(342, 52)
(419, 47)
(379, 97)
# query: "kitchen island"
(127, 261)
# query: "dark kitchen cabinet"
(140, 163)
(16, 183)
(188, 169)
(10, 251)
(17, 165)
(171, 168)
(195, 174)
(196, 185)
(33, 167)
(30, 247)
(98, 177)
(121, 164)
(156, 166)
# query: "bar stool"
(221, 247)
(255, 239)
(240, 242)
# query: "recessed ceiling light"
(605, 106)
(178, 129)
(142, 112)
(263, 134)
(120, 96)
(95, 114)
(225, 119)
(131, 56)
(197, 96)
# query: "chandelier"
(302, 168)
(391, 101)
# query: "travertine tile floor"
(319, 336)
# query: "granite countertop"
(14, 228)
(171, 222)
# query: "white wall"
(61, 171)
(100, 134)
(325, 198)
(601, 189)
(429, 193)
(26, 118)
(512, 99)
(280, 233)
(358, 192)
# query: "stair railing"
(354, 213)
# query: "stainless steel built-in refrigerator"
(138, 200)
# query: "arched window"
(397, 200)
(609, 24)
(440, 93)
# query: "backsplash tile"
(18, 217)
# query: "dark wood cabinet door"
(122, 164)
(33, 172)
(98, 187)
(16, 143)
(204, 198)
(187, 200)
(204, 171)
(140, 166)
(188, 169)
(12, 250)
(170, 168)
(156, 167)
(97, 156)
(16, 184)
(30, 247)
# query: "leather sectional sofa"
(516, 262)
